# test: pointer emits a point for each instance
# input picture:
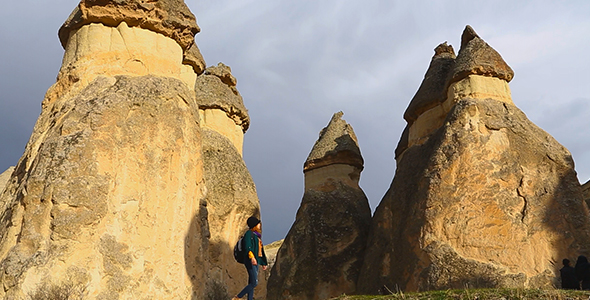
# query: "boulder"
(322, 253)
(485, 198)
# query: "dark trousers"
(252, 280)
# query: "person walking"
(583, 271)
(255, 256)
(569, 280)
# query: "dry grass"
(480, 294)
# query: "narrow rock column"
(231, 196)
(322, 253)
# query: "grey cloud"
(299, 62)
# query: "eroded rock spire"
(322, 253)
(337, 144)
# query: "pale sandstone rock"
(111, 190)
(221, 106)
(113, 196)
(485, 199)
(217, 120)
(271, 251)
(4, 177)
(171, 18)
(98, 50)
(478, 72)
(322, 253)
(231, 200)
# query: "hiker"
(569, 281)
(583, 272)
(255, 256)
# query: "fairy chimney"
(322, 253)
(110, 194)
(481, 197)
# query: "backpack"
(239, 250)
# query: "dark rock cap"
(171, 18)
(478, 58)
(337, 144)
(194, 58)
(216, 89)
(433, 89)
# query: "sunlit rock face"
(110, 195)
(231, 197)
(221, 106)
(482, 197)
(4, 177)
(322, 253)
(123, 188)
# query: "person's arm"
(264, 260)
(250, 247)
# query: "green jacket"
(251, 244)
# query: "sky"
(298, 62)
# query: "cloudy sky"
(298, 62)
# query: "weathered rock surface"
(171, 18)
(271, 251)
(486, 199)
(586, 191)
(231, 200)
(432, 91)
(476, 57)
(122, 187)
(322, 253)
(337, 145)
(4, 177)
(220, 104)
(110, 196)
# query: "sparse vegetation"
(63, 291)
(480, 294)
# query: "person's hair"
(566, 262)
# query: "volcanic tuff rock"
(322, 253)
(4, 177)
(171, 18)
(111, 192)
(220, 104)
(271, 251)
(110, 195)
(231, 200)
(483, 198)
(231, 194)
(586, 191)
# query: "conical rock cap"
(171, 18)
(432, 91)
(476, 57)
(337, 144)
